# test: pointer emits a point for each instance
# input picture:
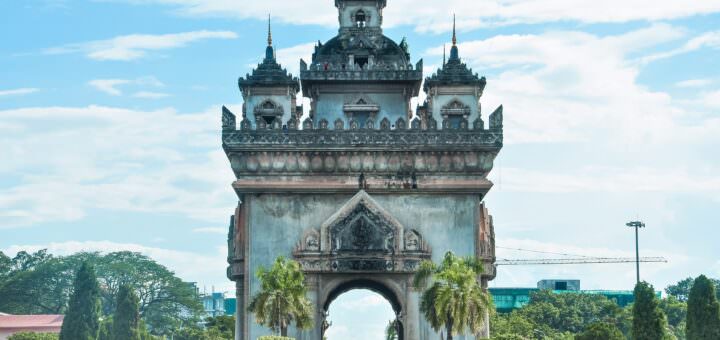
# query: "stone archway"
(362, 246)
(385, 287)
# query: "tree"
(676, 312)
(391, 331)
(648, 320)
(703, 311)
(127, 318)
(224, 325)
(455, 300)
(601, 331)
(681, 290)
(39, 283)
(282, 298)
(82, 319)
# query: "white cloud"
(569, 86)
(425, 15)
(692, 83)
(290, 57)
(711, 99)
(194, 267)
(108, 86)
(143, 158)
(136, 46)
(18, 92)
(609, 179)
(706, 40)
(150, 95)
(211, 230)
(111, 86)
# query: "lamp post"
(637, 225)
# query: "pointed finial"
(444, 49)
(269, 32)
(454, 39)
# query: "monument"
(362, 190)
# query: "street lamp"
(637, 225)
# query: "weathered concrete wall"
(277, 223)
(330, 106)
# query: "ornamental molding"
(338, 162)
(361, 237)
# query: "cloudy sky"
(110, 120)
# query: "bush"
(601, 331)
(33, 336)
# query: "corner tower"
(359, 193)
(453, 95)
(269, 93)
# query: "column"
(239, 309)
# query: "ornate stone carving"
(228, 119)
(385, 124)
(496, 119)
(415, 124)
(308, 124)
(479, 124)
(370, 124)
(400, 124)
(361, 236)
(339, 124)
(323, 124)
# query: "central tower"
(361, 190)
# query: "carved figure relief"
(361, 236)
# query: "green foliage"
(274, 337)
(703, 311)
(39, 283)
(82, 319)
(681, 290)
(601, 331)
(33, 336)
(455, 300)
(126, 318)
(676, 312)
(391, 331)
(223, 325)
(648, 320)
(282, 298)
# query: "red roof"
(31, 321)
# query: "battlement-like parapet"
(386, 158)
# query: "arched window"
(360, 18)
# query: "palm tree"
(282, 298)
(455, 300)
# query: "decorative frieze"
(248, 163)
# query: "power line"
(542, 252)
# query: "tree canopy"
(648, 320)
(282, 299)
(39, 283)
(703, 311)
(83, 316)
(455, 301)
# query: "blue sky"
(110, 121)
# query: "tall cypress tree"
(703, 311)
(82, 318)
(648, 319)
(126, 320)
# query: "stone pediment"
(361, 236)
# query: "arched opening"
(362, 310)
(360, 18)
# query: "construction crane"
(581, 260)
(571, 259)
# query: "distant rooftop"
(30, 321)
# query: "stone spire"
(454, 54)
(269, 31)
(454, 38)
(269, 51)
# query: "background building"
(11, 324)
